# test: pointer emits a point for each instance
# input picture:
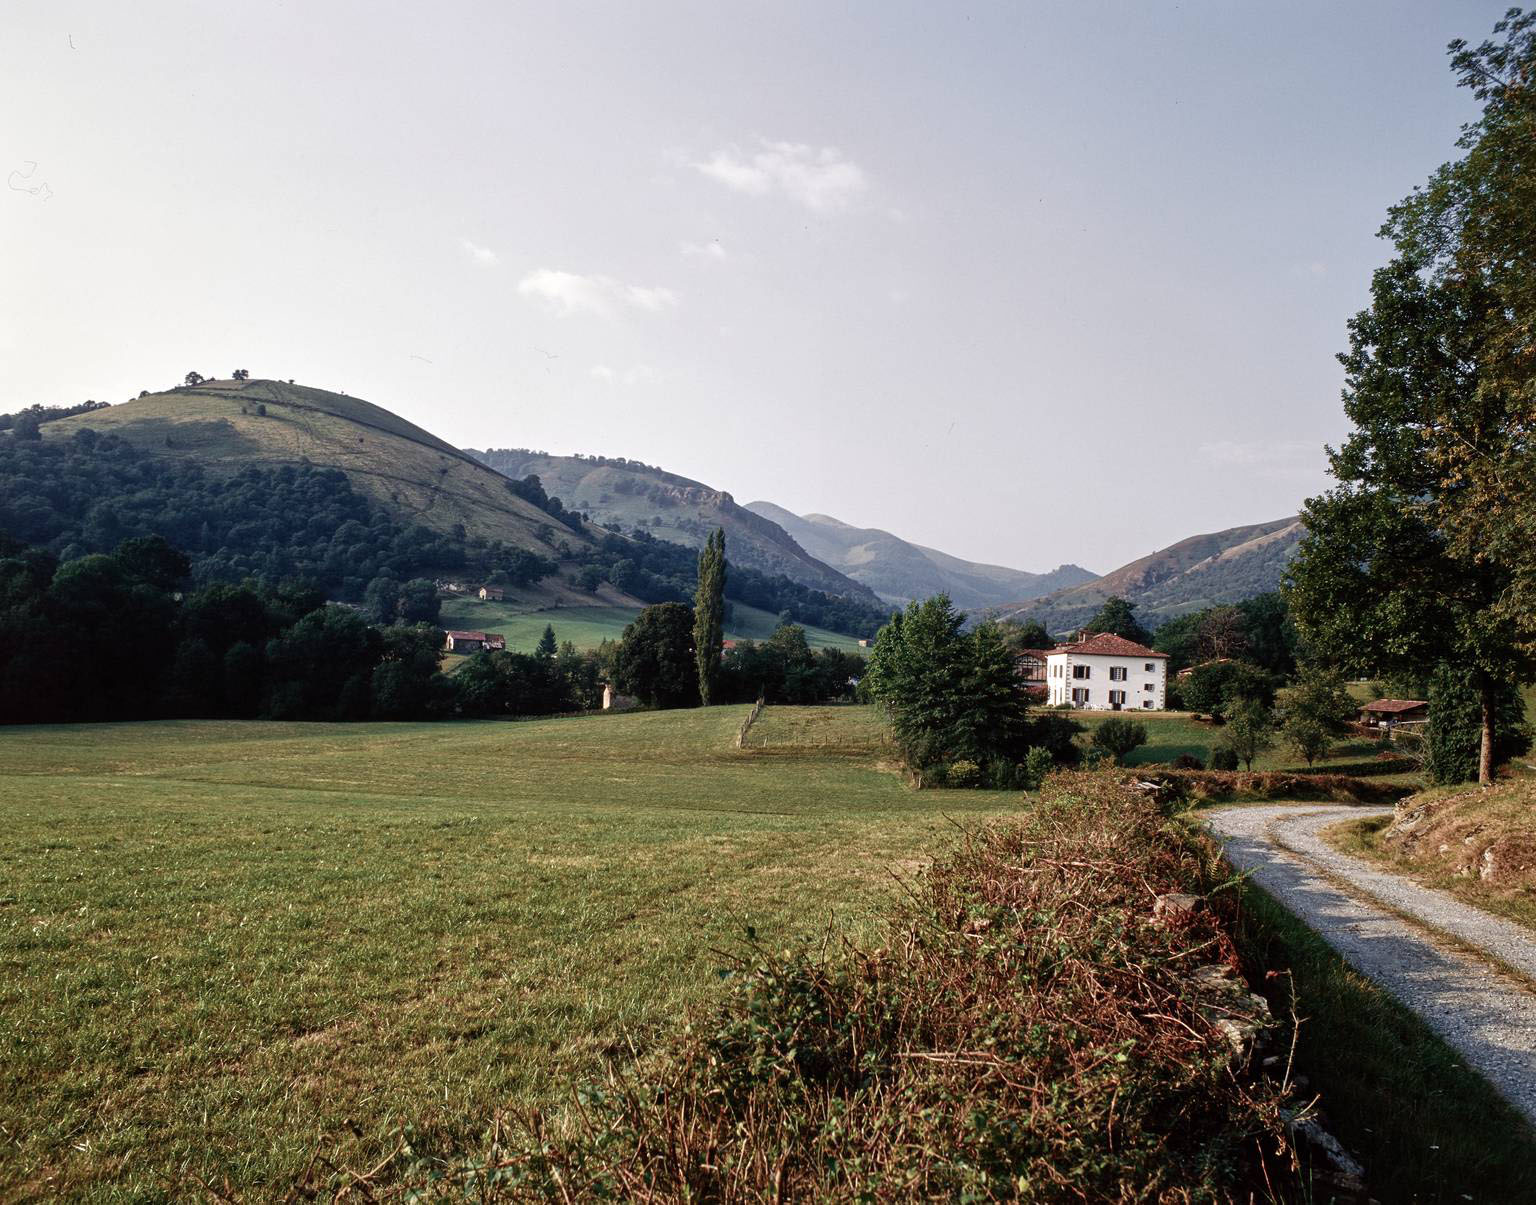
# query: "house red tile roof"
(1102, 644)
(1393, 706)
(480, 636)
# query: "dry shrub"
(1029, 1032)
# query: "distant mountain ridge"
(671, 507)
(899, 570)
(1201, 571)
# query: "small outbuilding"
(492, 593)
(470, 642)
(1389, 713)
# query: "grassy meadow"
(225, 946)
(588, 627)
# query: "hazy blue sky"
(1027, 282)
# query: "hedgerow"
(1028, 1031)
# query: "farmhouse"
(473, 642)
(492, 593)
(1101, 672)
(1032, 666)
(1389, 713)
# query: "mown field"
(225, 946)
(588, 627)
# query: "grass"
(408, 471)
(588, 627)
(1170, 733)
(225, 944)
(1426, 1128)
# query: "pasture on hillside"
(229, 945)
(588, 627)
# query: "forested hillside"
(612, 490)
(1217, 567)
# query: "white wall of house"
(1143, 686)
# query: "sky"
(1031, 283)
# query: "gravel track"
(1483, 1011)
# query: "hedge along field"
(225, 946)
(1170, 733)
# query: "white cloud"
(630, 376)
(483, 256)
(823, 180)
(572, 293)
(710, 250)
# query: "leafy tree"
(1377, 584)
(709, 614)
(1118, 736)
(1424, 552)
(1472, 231)
(950, 695)
(1315, 712)
(1270, 632)
(655, 659)
(1180, 639)
(381, 601)
(1216, 688)
(1028, 634)
(419, 602)
(406, 683)
(1453, 735)
(547, 647)
(499, 682)
(1250, 730)
(1118, 617)
(194, 378)
(321, 668)
(241, 374)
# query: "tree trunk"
(1485, 753)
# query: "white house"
(1107, 673)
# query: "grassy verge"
(1479, 845)
(1426, 1128)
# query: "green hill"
(410, 473)
(630, 494)
(1201, 571)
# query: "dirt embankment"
(1487, 836)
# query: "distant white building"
(1107, 673)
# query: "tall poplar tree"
(709, 614)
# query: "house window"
(1079, 694)
(1117, 696)
(1146, 702)
(1117, 673)
(1082, 671)
(1150, 668)
(1148, 686)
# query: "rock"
(1240, 1016)
(1338, 1167)
(1175, 904)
